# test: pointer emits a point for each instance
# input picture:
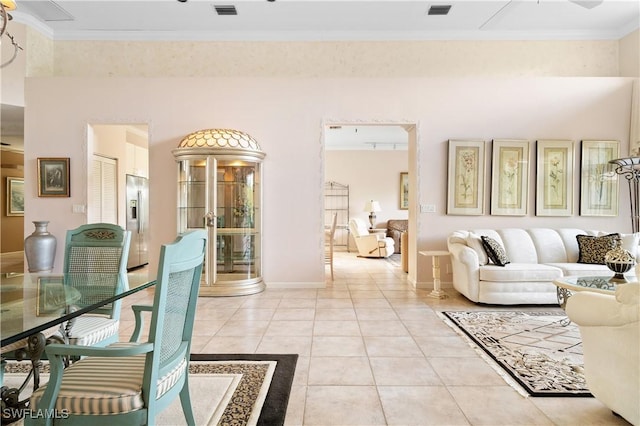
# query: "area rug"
(540, 351)
(226, 389)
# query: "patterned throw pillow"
(593, 249)
(495, 251)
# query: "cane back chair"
(130, 382)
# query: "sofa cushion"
(581, 269)
(494, 250)
(475, 242)
(519, 272)
(593, 249)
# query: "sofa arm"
(602, 310)
(466, 270)
(395, 235)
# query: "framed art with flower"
(509, 177)
(465, 195)
(554, 186)
(598, 179)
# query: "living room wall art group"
(554, 178)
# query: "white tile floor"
(374, 352)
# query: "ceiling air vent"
(225, 10)
(439, 10)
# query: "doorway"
(118, 183)
(370, 158)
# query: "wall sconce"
(372, 207)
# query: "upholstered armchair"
(610, 330)
(395, 228)
(370, 245)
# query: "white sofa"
(538, 256)
(610, 331)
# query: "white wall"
(286, 115)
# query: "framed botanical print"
(509, 177)
(53, 177)
(404, 191)
(465, 195)
(598, 179)
(554, 178)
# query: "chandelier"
(5, 17)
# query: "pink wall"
(286, 117)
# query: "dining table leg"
(13, 409)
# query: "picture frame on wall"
(598, 179)
(404, 191)
(509, 177)
(465, 182)
(554, 178)
(53, 177)
(15, 196)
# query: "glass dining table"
(31, 305)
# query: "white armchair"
(610, 330)
(370, 245)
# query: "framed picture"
(15, 196)
(404, 191)
(465, 195)
(53, 177)
(51, 296)
(554, 186)
(509, 177)
(598, 179)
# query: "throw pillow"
(474, 242)
(494, 250)
(630, 243)
(593, 249)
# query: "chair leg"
(185, 400)
(331, 265)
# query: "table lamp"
(372, 207)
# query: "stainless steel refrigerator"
(138, 220)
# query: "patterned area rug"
(541, 351)
(226, 389)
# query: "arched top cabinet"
(220, 189)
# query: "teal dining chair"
(95, 263)
(131, 382)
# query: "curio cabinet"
(220, 190)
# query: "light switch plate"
(427, 208)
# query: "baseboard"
(312, 284)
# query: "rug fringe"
(492, 363)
